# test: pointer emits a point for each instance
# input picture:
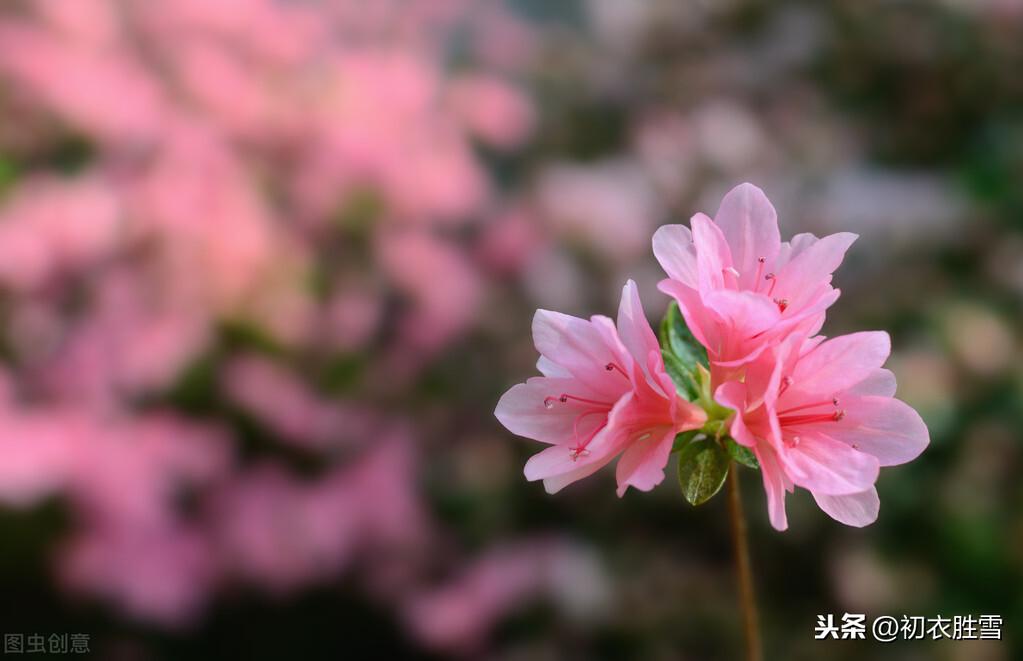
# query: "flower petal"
(790, 249)
(676, 253)
(521, 410)
(633, 327)
(733, 395)
(812, 266)
(748, 313)
(750, 226)
(774, 485)
(712, 253)
(703, 328)
(642, 464)
(824, 465)
(884, 427)
(858, 509)
(579, 347)
(558, 467)
(879, 382)
(838, 364)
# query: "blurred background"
(267, 265)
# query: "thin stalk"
(743, 569)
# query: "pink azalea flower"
(603, 392)
(821, 415)
(739, 287)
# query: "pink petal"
(521, 410)
(838, 364)
(886, 428)
(880, 383)
(557, 461)
(750, 226)
(633, 327)
(688, 415)
(547, 367)
(579, 347)
(790, 249)
(558, 467)
(556, 483)
(712, 253)
(733, 395)
(749, 313)
(702, 327)
(824, 465)
(858, 509)
(642, 464)
(676, 253)
(812, 266)
(774, 485)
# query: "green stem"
(743, 568)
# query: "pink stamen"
(575, 425)
(760, 270)
(785, 383)
(831, 402)
(580, 449)
(614, 366)
(815, 417)
(774, 281)
(548, 402)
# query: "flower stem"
(743, 569)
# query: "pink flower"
(738, 286)
(820, 415)
(603, 392)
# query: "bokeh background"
(267, 265)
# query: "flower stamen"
(614, 366)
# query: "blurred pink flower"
(93, 84)
(442, 285)
(155, 573)
(57, 227)
(457, 615)
(288, 407)
(492, 109)
(611, 206)
(604, 392)
(821, 415)
(283, 533)
(738, 286)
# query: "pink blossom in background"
(739, 287)
(493, 110)
(457, 616)
(223, 146)
(609, 206)
(54, 227)
(821, 415)
(286, 405)
(603, 392)
(440, 282)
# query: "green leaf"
(702, 469)
(677, 337)
(683, 439)
(686, 383)
(741, 454)
(682, 353)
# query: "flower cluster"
(808, 411)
